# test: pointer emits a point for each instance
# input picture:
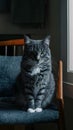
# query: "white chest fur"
(35, 71)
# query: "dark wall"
(8, 36)
(52, 27)
(55, 27)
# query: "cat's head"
(37, 49)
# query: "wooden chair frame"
(59, 93)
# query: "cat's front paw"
(38, 109)
(30, 110)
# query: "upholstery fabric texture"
(9, 69)
(10, 113)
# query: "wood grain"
(60, 81)
(12, 42)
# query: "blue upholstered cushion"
(9, 69)
(12, 115)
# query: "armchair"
(9, 112)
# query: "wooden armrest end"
(60, 82)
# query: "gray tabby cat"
(35, 84)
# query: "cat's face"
(36, 49)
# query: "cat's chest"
(34, 71)
(35, 68)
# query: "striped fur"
(35, 84)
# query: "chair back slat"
(23, 48)
(14, 50)
(12, 45)
(6, 48)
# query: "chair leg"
(61, 124)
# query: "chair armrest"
(60, 82)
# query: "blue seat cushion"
(11, 114)
(9, 69)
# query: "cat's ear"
(27, 39)
(47, 40)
